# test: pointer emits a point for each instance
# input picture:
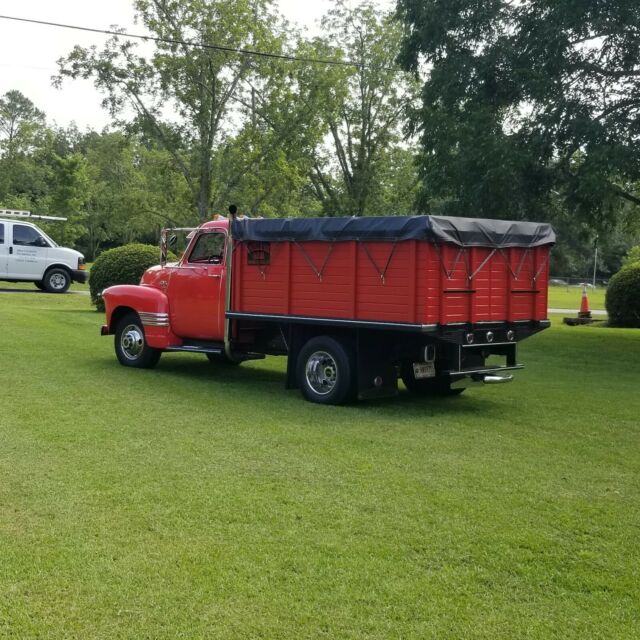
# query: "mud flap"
(377, 373)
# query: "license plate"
(424, 370)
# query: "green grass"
(561, 297)
(196, 501)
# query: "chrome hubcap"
(321, 372)
(57, 281)
(132, 342)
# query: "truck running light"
(489, 336)
(511, 335)
(469, 338)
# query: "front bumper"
(79, 275)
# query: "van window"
(26, 236)
(1, 233)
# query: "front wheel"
(325, 371)
(56, 280)
(131, 346)
(426, 386)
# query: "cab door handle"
(215, 275)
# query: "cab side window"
(27, 236)
(209, 248)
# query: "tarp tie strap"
(310, 262)
(450, 273)
(381, 272)
(515, 274)
(543, 264)
(477, 271)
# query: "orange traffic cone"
(584, 312)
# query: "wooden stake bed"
(407, 281)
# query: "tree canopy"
(524, 101)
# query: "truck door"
(27, 253)
(4, 252)
(196, 289)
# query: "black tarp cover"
(464, 232)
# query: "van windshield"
(47, 238)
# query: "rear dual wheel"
(325, 371)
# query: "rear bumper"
(79, 276)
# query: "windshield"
(47, 238)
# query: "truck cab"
(28, 254)
(195, 286)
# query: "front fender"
(149, 303)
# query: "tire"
(222, 358)
(325, 371)
(40, 285)
(427, 386)
(56, 280)
(131, 346)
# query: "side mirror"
(173, 242)
(41, 242)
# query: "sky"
(29, 52)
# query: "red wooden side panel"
(499, 287)
(386, 295)
(428, 293)
(422, 283)
(329, 294)
(454, 285)
(261, 289)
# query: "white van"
(28, 254)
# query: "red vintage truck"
(354, 303)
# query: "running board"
(192, 348)
(215, 350)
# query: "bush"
(122, 265)
(623, 297)
(633, 255)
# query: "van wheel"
(427, 386)
(56, 280)
(325, 371)
(131, 346)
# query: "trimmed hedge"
(122, 265)
(623, 297)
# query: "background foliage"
(523, 110)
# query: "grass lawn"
(561, 297)
(196, 501)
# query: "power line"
(188, 43)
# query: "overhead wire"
(188, 43)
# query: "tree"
(524, 99)
(196, 82)
(20, 123)
(133, 191)
(368, 106)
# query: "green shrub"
(633, 255)
(623, 297)
(122, 265)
